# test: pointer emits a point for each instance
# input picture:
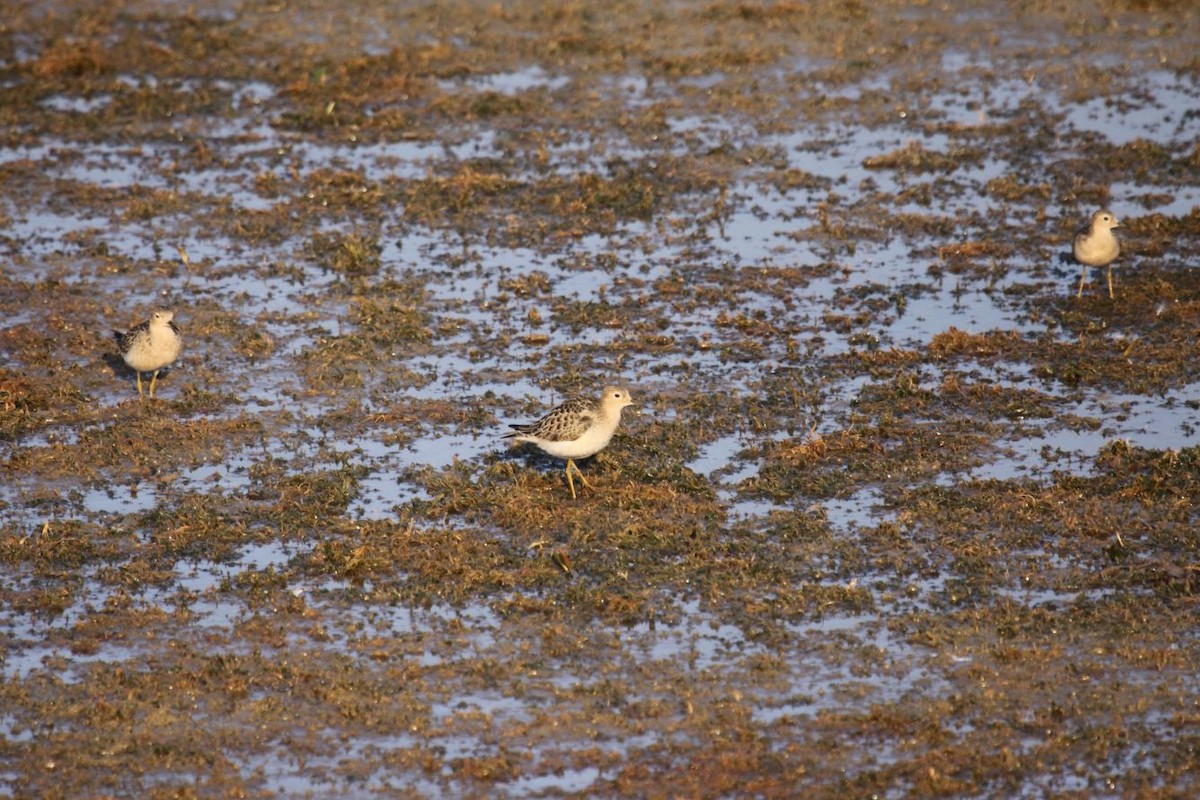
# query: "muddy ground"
(898, 516)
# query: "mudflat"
(897, 514)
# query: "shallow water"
(359, 562)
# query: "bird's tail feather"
(517, 430)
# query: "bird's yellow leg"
(582, 479)
(570, 482)
(153, 380)
(139, 382)
(571, 465)
(1082, 280)
(1110, 291)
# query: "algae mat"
(898, 515)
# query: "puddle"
(1156, 110)
(860, 510)
(698, 640)
(120, 499)
(1177, 201)
(515, 82)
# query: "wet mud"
(897, 514)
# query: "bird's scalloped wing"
(566, 425)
